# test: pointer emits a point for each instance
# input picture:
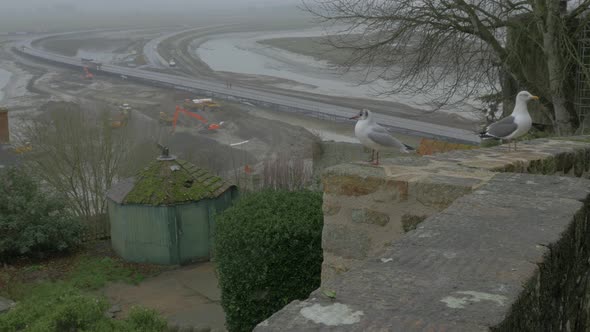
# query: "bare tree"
(77, 154)
(458, 48)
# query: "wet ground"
(243, 53)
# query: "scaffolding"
(582, 92)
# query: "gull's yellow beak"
(535, 98)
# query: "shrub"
(54, 307)
(57, 307)
(145, 320)
(31, 221)
(268, 253)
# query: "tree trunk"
(556, 68)
(563, 124)
(509, 90)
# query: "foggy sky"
(104, 5)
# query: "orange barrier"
(429, 146)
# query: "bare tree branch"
(452, 50)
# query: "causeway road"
(271, 99)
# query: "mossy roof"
(171, 182)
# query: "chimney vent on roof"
(165, 156)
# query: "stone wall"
(511, 256)
(367, 208)
(509, 252)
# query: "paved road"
(287, 103)
(150, 49)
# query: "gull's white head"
(525, 96)
(363, 115)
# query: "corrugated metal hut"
(165, 214)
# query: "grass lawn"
(56, 294)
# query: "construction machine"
(121, 119)
(200, 104)
(168, 120)
(184, 111)
(20, 149)
(87, 74)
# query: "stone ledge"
(511, 256)
(407, 190)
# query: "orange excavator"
(182, 110)
(87, 74)
(165, 119)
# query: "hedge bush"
(32, 222)
(268, 253)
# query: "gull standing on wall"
(515, 125)
(375, 137)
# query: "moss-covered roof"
(174, 181)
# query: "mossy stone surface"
(172, 182)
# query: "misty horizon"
(137, 5)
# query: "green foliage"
(67, 306)
(93, 273)
(57, 307)
(31, 221)
(268, 253)
(54, 307)
(145, 320)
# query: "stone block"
(330, 208)
(440, 190)
(351, 185)
(334, 266)
(352, 180)
(410, 221)
(366, 216)
(346, 241)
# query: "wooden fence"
(97, 228)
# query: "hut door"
(193, 233)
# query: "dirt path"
(187, 297)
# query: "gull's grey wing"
(502, 128)
(382, 137)
(379, 129)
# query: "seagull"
(375, 137)
(515, 125)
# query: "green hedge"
(32, 222)
(268, 253)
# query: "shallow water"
(4, 79)
(240, 53)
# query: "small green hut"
(165, 214)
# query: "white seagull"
(375, 137)
(514, 125)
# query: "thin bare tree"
(77, 154)
(456, 49)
